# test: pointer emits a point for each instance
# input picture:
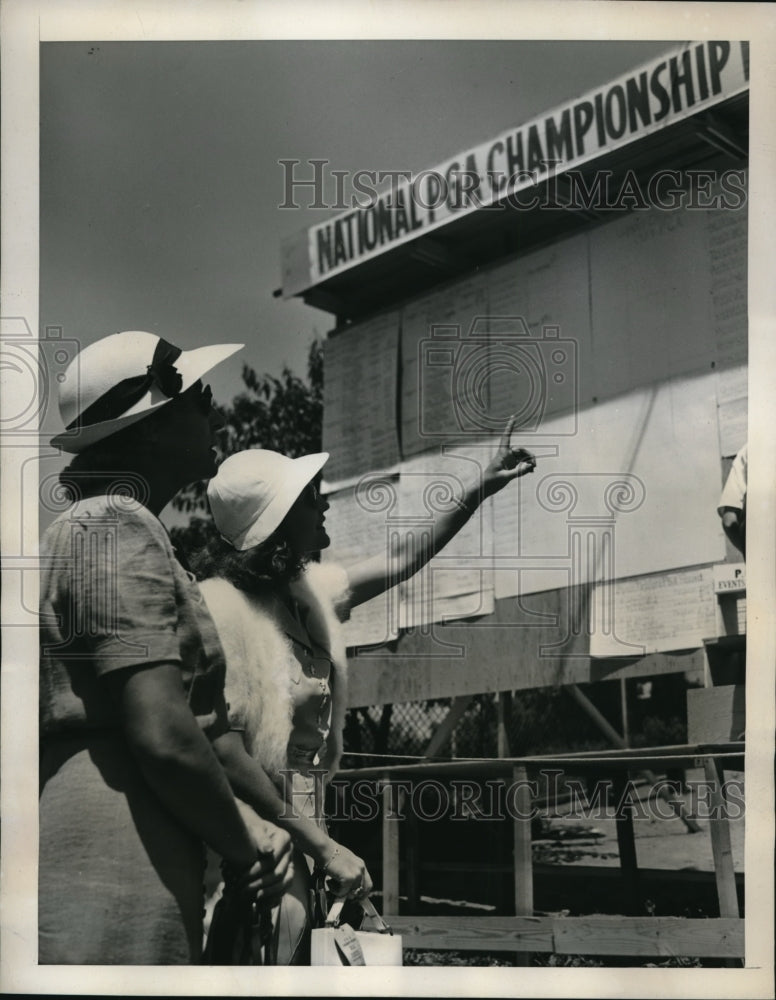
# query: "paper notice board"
(358, 529)
(444, 341)
(634, 492)
(359, 399)
(458, 581)
(656, 613)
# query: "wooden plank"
(649, 936)
(719, 830)
(391, 812)
(475, 933)
(615, 935)
(495, 653)
(523, 858)
(716, 714)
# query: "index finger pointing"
(507, 435)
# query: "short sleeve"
(218, 722)
(122, 592)
(734, 492)
(224, 604)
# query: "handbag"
(241, 933)
(337, 943)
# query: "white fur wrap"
(260, 662)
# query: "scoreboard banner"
(507, 170)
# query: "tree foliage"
(282, 413)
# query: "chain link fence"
(403, 730)
(538, 721)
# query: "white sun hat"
(254, 490)
(122, 378)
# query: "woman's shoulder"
(329, 583)
(109, 514)
(225, 598)
(329, 578)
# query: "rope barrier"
(548, 758)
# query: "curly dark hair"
(274, 562)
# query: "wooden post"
(523, 858)
(412, 854)
(624, 711)
(611, 733)
(504, 712)
(626, 843)
(390, 849)
(719, 829)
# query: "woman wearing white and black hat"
(132, 674)
(278, 617)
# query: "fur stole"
(260, 661)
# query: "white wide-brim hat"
(122, 378)
(254, 490)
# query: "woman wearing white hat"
(132, 674)
(278, 617)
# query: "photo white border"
(24, 24)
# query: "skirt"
(292, 917)
(120, 881)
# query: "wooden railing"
(720, 937)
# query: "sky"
(160, 179)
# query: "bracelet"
(326, 866)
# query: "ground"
(573, 840)
(660, 843)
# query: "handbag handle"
(366, 904)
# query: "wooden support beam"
(720, 135)
(391, 812)
(562, 182)
(445, 728)
(412, 854)
(321, 299)
(504, 713)
(611, 733)
(624, 711)
(523, 859)
(626, 842)
(435, 254)
(719, 829)
(523, 856)
(601, 721)
(494, 659)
